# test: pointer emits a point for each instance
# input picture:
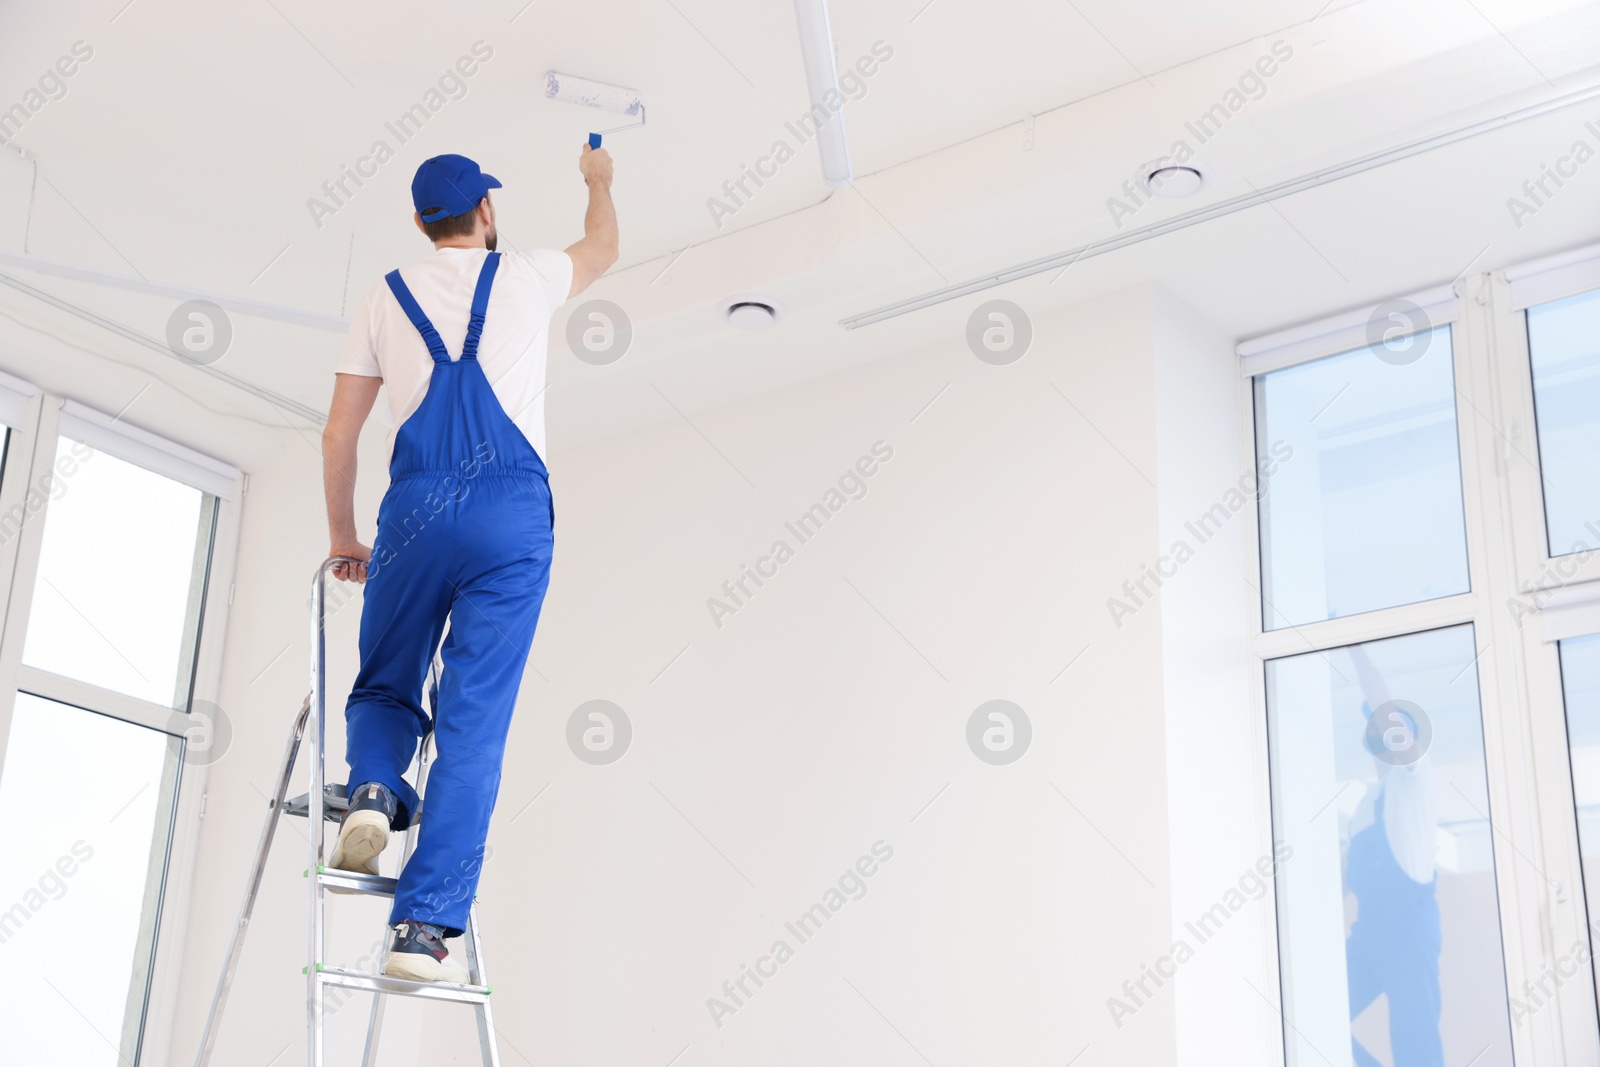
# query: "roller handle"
(594, 140)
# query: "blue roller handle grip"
(594, 140)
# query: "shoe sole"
(362, 840)
(420, 967)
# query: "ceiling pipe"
(285, 405)
(822, 79)
(237, 304)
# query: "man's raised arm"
(593, 256)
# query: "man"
(464, 535)
(1393, 946)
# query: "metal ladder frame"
(320, 879)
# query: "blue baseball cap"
(450, 185)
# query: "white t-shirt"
(1410, 816)
(528, 287)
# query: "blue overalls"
(464, 534)
(1394, 948)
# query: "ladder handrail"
(315, 931)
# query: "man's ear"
(416, 217)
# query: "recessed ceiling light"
(1173, 180)
(751, 312)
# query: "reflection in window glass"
(117, 598)
(1564, 343)
(80, 882)
(1387, 908)
(1362, 507)
(1580, 684)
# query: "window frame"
(1535, 625)
(30, 455)
(1531, 814)
(1344, 338)
(1512, 293)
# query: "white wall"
(1216, 770)
(827, 714)
(806, 728)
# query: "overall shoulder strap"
(480, 305)
(413, 310)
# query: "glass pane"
(117, 596)
(1388, 916)
(1361, 482)
(84, 857)
(1580, 683)
(1564, 342)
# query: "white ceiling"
(184, 152)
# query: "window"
(1425, 692)
(1389, 928)
(1363, 508)
(117, 597)
(111, 533)
(85, 855)
(1376, 663)
(1564, 349)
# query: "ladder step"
(404, 987)
(349, 882)
(334, 803)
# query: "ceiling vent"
(751, 312)
(1172, 180)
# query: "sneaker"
(364, 829)
(418, 953)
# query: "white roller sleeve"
(572, 90)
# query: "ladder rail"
(315, 932)
(369, 1056)
(230, 964)
(487, 1045)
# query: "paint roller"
(586, 93)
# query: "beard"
(491, 239)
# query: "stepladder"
(322, 975)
